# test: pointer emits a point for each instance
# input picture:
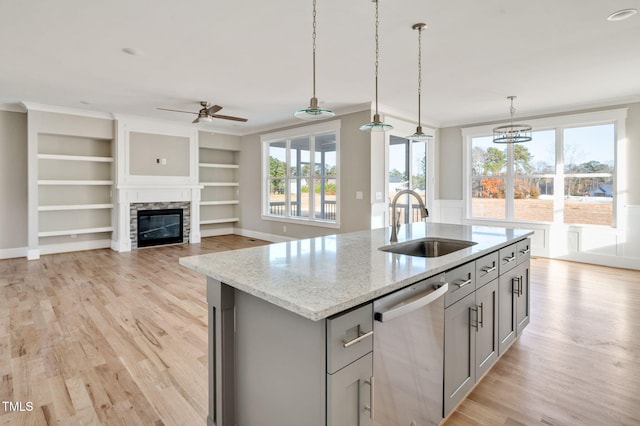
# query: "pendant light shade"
(313, 111)
(419, 135)
(512, 133)
(376, 125)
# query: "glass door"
(407, 170)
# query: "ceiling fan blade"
(177, 110)
(197, 120)
(228, 117)
(213, 109)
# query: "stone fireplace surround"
(133, 217)
(131, 199)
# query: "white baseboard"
(597, 259)
(13, 252)
(79, 246)
(121, 246)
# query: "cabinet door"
(523, 298)
(487, 327)
(459, 351)
(349, 394)
(507, 284)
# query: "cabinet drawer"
(486, 269)
(349, 337)
(523, 252)
(461, 282)
(508, 258)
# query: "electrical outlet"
(284, 228)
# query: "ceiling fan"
(207, 113)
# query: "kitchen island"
(280, 315)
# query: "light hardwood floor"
(99, 337)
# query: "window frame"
(287, 136)
(617, 117)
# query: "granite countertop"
(319, 277)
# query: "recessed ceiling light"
(133, 51)
(622, 15)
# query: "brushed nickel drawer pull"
(370, 407)
(476, 325)
(520, 287)
(461, 283)
(488, 269)
(524, 251)
(481, 310)
(360, 338)
(509, 259)
(514, 289)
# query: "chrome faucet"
(395, 218)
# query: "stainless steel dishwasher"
(408, 355)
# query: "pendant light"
(313, 111)
(376, 125)
(419, 135)
(512, 133)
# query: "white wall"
(13, 184)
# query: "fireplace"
(162, 226)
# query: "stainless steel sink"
(428, 247)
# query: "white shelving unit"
(75, 183)
(218, 175)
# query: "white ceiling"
(254, 57)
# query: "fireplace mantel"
(159, 165)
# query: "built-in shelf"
(219, 165)
(224, 220)
(74, 207)
(75, 158)
(75, 231)
(218, 176)
(75, 182)
(74, 178)
(219, 203)
(219, 184)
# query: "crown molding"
(566, 109)
(32, 106)
(18, 107)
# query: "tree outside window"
(519, 182)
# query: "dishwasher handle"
(403, 308)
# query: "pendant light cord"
(419, 72)
(313, 38)
(377, 54)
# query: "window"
(407, 170)
(589, 169)
(566, 174)
(301, 174)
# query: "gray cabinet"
(514, 300)
(350, 367)
(522, 298)
(471, 342)
(349, 392)
(483, 316)
(459, 351)
(486, 328)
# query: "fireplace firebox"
(157, 227)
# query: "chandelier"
(512, 133)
